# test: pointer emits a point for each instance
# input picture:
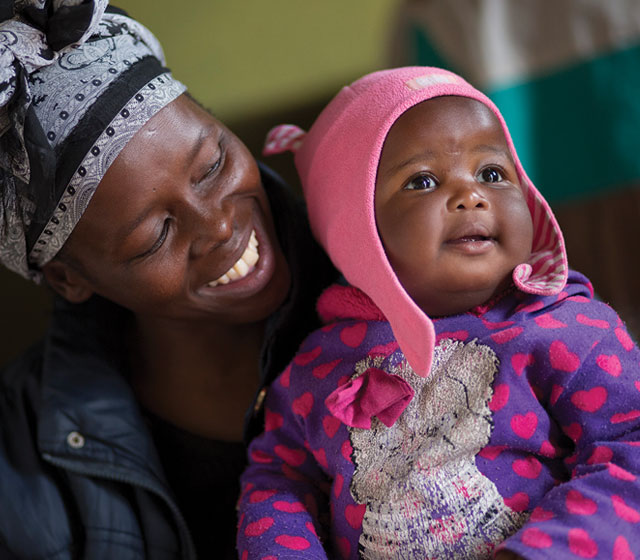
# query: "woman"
(177, 261)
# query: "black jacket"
(79, 474)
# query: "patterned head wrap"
(77, 81)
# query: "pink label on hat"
(422, 82)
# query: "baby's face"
(449, 207)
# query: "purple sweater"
(523, 436)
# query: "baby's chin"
(467, 300)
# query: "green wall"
(241, 57)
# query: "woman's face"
(170, 232)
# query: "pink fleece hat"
(337, 161)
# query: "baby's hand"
(507, 555)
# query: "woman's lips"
(243, 266)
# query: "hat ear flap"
(282, 138)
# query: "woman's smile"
(249, 273)
(243, 266)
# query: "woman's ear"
(68, 282)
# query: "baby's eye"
(421, 183)
(491, 175)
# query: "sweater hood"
(337, 161)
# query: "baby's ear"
(66, 281)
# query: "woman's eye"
(491, 175)
(213, 168)
(161, 238)
(421, 183)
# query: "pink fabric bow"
(374, 393)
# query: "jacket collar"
(88, 409)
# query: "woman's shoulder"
(20, 377)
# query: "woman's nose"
(212, 228)
(467, 195)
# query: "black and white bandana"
(77, 81)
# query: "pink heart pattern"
(624, 339)
(330, 425)
(260, 456)
(354, 514)
(600, 454)
(574, 431)
(289, 507)
(625, 416)
(610, 364)
(540, 514)
(499, 398)
(293, 542)
(502, 337)
(531, 378)
(536, 538)
(285, 378)
(384, 349)
(581, 544)
(272, 420)
(546, 321)
(518, 502)
(520, 361)
(621, 474)
(323, 370)
(562, 358)
(547, 449)
(304, 358)
(499, 325)
(337, 485)
(527, 468)
(591, 400)
(259, 527)
(303, 404)
(353, 336)
(491, 451)
(556, 391)
(577, 504)
(622, 550)
(598, 323)
(293, 457)
(524, 425)
(455, 335)
(623, 511)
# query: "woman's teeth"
(243, 266)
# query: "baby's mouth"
(243, 266)
(470, 234)
(471, 239)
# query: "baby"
(467, 396)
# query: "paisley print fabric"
(67, 69)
